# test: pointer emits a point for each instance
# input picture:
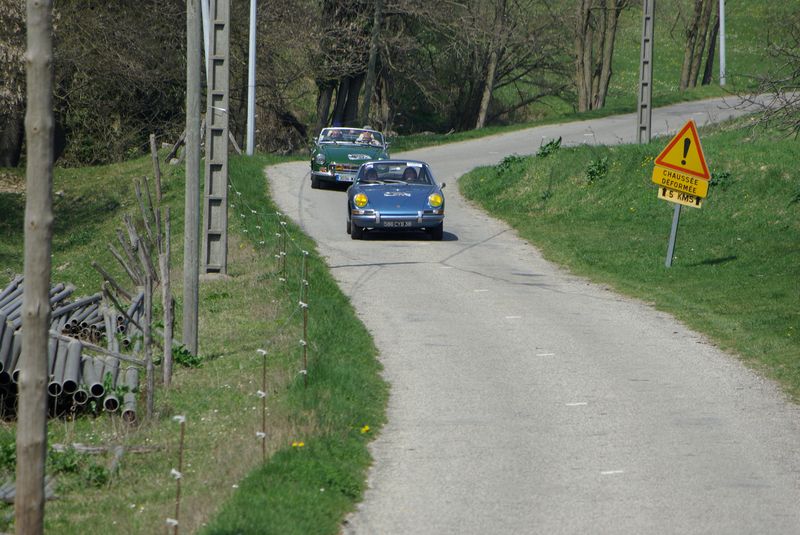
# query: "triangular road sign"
(685, 154)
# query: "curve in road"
(527, 400)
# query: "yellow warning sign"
(679, 197)
(684, 153)
(692, 185)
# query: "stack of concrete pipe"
(76, 377)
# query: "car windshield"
(357, 136)
(395, 173)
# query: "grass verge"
(736, 272)
(252, 308)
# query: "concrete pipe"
(72, 367)
(91, 378)
(15, 353)
(13, 285)
(111, 403)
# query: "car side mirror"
(443, 185)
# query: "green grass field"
(736, 271)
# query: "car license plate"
(344, 178)
(397, 223)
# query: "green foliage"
(508, 163)
(96, 475)
(66, 462)
(76, 469)
(720, 178)
(183, 357)
(597, 170)
(551, 147)
(8, 455)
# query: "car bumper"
(341, 177)
(376, 219)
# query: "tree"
(697, 35)
(782, 108)
(120, 75)
(372, 64)
(594, 39)
(12, 81)
(439, 62)
(39, 123)
(495, 47)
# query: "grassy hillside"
(736, 272)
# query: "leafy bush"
(597, 169)
(508, 163)
(720, 178)
(66, 462)
(551, 147)
(8, 456)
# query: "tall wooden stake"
(166, 299)
(148, 345)
(32, 425)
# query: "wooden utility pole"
(645, 110)
(32, 423)
(191, 232)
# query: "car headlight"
(319, 158)
(435, 200)
(360, 200)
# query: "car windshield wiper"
(394, 181)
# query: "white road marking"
(480, 291)
(577, 404)
(545, 354)
(513, 317)
(612, 472)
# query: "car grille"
(344, 168)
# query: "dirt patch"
(11, 182)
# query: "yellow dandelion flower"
(365, 429)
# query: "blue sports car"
(395, 195)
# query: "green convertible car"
(338, 153)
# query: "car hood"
(346, 152)
(397, 196)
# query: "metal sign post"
(676, 215)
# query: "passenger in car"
(410, 174)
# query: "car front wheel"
(437, 232)
(356, 232)
(314, 182)
(349, 226)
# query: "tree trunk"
(323, 105)
(708, 74)
(612, 11)
(495, 46)
(32, 424)
(341, 101)
(372, 65)
(11, 137)
(351, 105)
(688, 51)
(700, 44)
(583, 55)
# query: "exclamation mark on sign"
(686, 144)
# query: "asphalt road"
(527, 400)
